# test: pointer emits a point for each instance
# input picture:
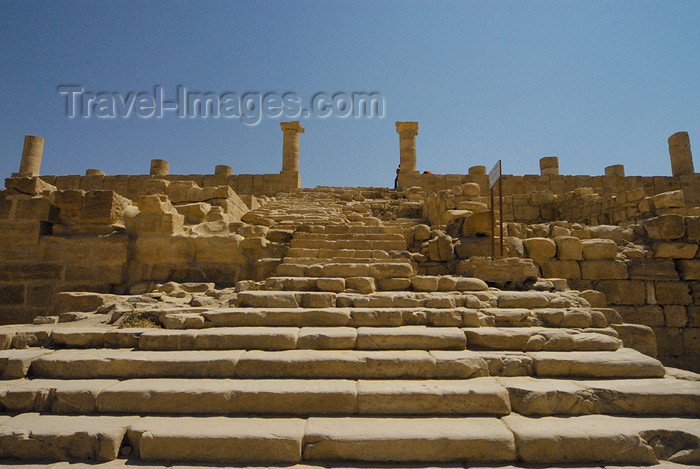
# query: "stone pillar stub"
(290, 145)
(223, 170)
(94, 172)
(615, 170)
(477, 170)
(681, 157)
(160, 168)
(32, 152)
(407, 145)
(549, 166)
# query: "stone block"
(675, 250)
(11, 294)
(34, 208)
(692, 228)
(638, 337)
(603, 269)
(652, 269)
(690, 269)
(479, 224)
(669, 341)
(471, 247)
(568, 247)
(623, 292)
(540, 248)
(331, 284)
(665, 227)
(103, 207)
(670, 199)
(393, 284)
(194, 213)
(598, 248)
(673, 293)
(552, 268)
(675, 315)
(427, 284)
(595, 298)
(361, 284)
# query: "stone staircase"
(347, 358)
(519, 378)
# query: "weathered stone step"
(482, 396)
(377, 270)
(605, 439)
(288, 338)
(355, 317)
(595, 439)
(342, 364)
(298, 253)
(647, 396)
(33, 436)
(349, 244)
(299, 235)
(307, 261)
(541, 338)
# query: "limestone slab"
(623, 363)
(229, 396)
(327, 338)
(61, 396)
(98, 363)
(473, 439)
(218, 439)
(56, 437)
(347, 364)
(474, 396)
(410, 337)
(278, 317)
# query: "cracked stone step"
(605, 439)
(358, 317)
(342, 364)
(33, 436)
(540, 338)
(649, 396)
(218, 439)
(179, 396)
(473, 439)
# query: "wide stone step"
(288, 338)
(299, 235)
(33, 436)
(330, 441)
(482, 396)
(378, 270)
(650, 396)
(319, 260)
(541, 338)
(314, 253)
(355, 317)
(350, 244)
(342, 364)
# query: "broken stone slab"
(218, 439)
(646, 396)
(617, 440)
(48, 395)
(475, 439)
(59, 438)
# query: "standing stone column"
(160, 168)
(31, 156)
(290, 145)
(681, 157)
(616, 170)
(549, 166)
(223, 170)
(407, 143)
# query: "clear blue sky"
(595, 83)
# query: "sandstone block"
(670, 199)
(394, 284)
(29, 185)
(479, 224)
(390, 270)
(598, 249)
(194, 213)
(673, 293)
(623, 292)
(394, 439)
(568, 247)
(428, 284)
(692, 225)
(331, 284)
(638, 337)
(690, 269)
(652, 269)
(595, 298)
(675, 250)
(603, 269)
(560, 269)
(361, 284)
(665, 227)
(540, 248)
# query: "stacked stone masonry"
(179, 321)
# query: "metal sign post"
(494, 177)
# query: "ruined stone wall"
(132, 187)
(54, 240)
